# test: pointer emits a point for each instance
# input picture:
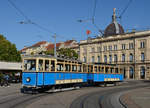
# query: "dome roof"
(114, 28)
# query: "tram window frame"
(47, 66)
(74, 68)
(40, 65)
(60, 67)
(99, 69)
(79, 68)
(103, 68)
(53, 65)
(95, 69)
(84, 68)
(26, 65)
(116, 71)
(67, 67)
(111, 70)
(106, 69)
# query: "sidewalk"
(139, 98)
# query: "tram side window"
(59, 67)
(30, 65)
(116, 70)
(95, 68)
(52, 65)
(102, 69)
(106, 70)
(111, 70)
(99, 69)
(79, 68)
(84, 68)
(47, 65)
(40, 65)
(74, 68)
(67, 67)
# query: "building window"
(115, 47)
(142, 57)
(110, 58)
(142, 72)
(123, 57)
(84, 59)
(105, 59)
(84, 50)
(131, 46)
(93, 60)
(131, 72)
(92, 50)
(110, 48)
(98, 49)
(115, 58)
(98, 59)
(123, 46)
(142, 44)
(105, 48)
(131, 57)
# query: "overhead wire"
(29, 21)
(93, 17)
(124, 10)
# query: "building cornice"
(116, 37)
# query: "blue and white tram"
(48, 72)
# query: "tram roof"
(49, 56)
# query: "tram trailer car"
(104, 74)
(47, 72)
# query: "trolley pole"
(55, 46)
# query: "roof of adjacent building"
(39, 44)
(51, 46)
(68, 42)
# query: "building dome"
(114, 28)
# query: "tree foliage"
(49, 52)
(8, 51)
(63, 51)
(68, 52)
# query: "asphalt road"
(87, 97)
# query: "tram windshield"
(30, 65)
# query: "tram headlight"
(28, 79)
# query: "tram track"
(102, 99)
(22, 100)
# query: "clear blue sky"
(61, 16)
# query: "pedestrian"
(6, 80)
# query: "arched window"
(115, 58)
(105, 59)
(131, 57)
(84, 59)
(98, 59)
(131, 72)
(123, 57)
(142, 72)
(110, 58)
(142, 57)
(93, 60)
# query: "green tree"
(68, 52)
(49, 52)
(8, 51)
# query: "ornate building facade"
(131, 50)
